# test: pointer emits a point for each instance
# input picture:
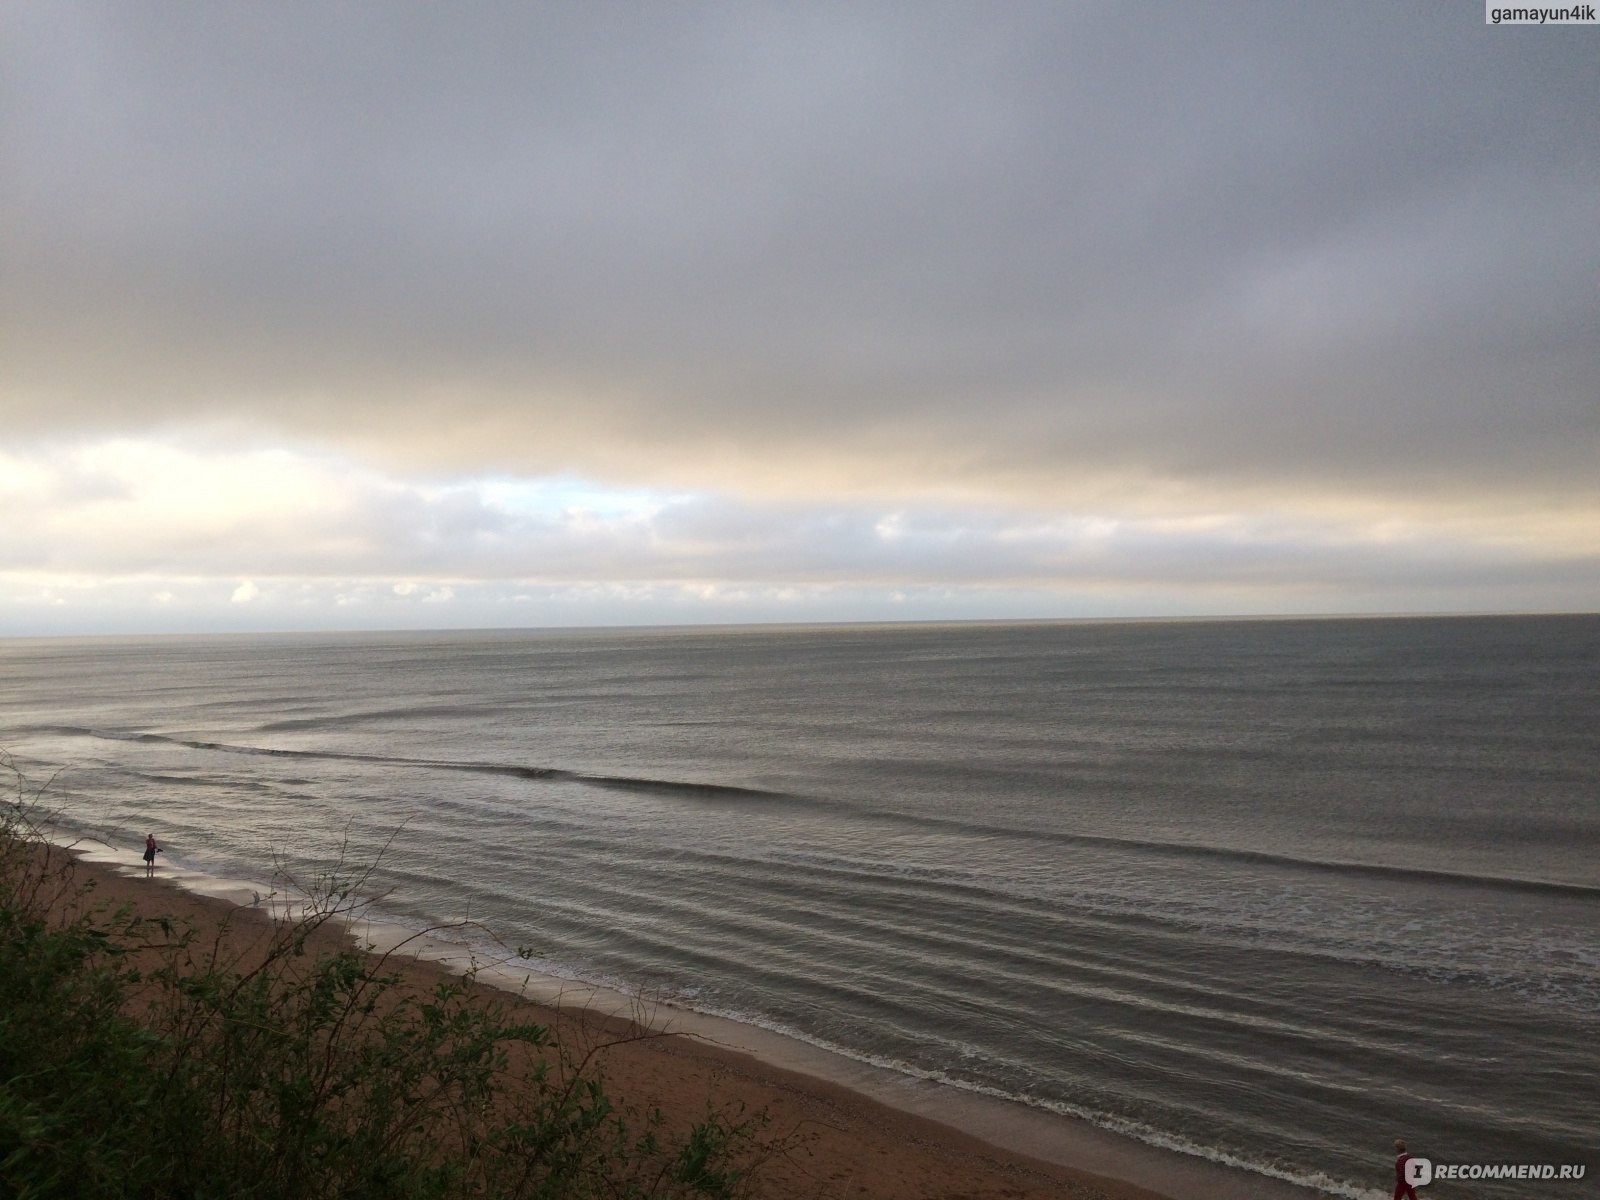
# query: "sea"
(1267, 893)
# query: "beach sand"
(842, 1143)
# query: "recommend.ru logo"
(1422, 1171)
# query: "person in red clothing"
(1402, 1187)
(150, 852)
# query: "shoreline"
(869, 1130)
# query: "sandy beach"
(839, 1143)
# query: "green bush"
(136, 1060)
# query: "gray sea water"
(1272, 893)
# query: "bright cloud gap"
(300, 539)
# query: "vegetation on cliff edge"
(139, 1058)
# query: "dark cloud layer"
(1340, 252)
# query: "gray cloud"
(1094, 254)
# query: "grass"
(138, 1059)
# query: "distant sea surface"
(1270, 892)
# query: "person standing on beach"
(150, 852)
(1402, 1186)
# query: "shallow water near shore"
(1005, 1125)
(1269, 893)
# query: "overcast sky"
(401, 315)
